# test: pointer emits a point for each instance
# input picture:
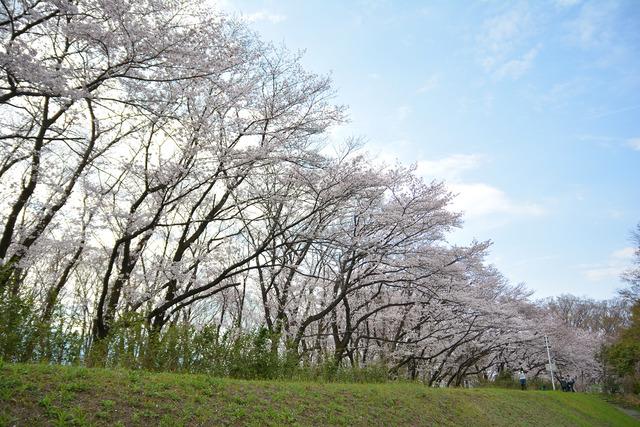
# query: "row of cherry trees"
(158, 161)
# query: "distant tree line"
(622, 356)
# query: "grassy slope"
(53, 395)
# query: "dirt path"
(631, 412)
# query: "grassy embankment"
(33, 395)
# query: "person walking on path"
(523, 380)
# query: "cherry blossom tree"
(160, 165)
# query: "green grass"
(33, 395)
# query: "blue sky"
(529, 110)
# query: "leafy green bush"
(624, 355)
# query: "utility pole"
(546, 343)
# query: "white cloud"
(604, 112)
(426, 11)
(610, 141)
(603, 273)
(516, 68)
(504, 45)
(616, 213)
(449, 168)
(560, 95)
(503, 30)
(624, 253)
(403, 112)
(634, 143)
(430, 84)
(475, 199)
(372, 5)
(480, 199)
(593, 26)
(619, 260)
(235, 10)
(483, 103)
(262, 15)
(566, 3)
